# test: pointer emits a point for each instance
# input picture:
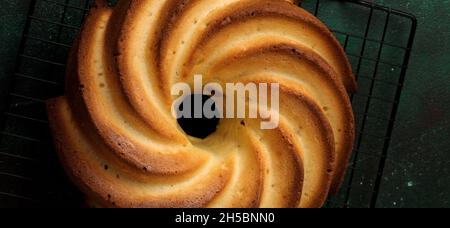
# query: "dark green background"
(417, 173)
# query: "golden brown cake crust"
(119, 143)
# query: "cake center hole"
(197, 127)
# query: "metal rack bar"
(394, 111)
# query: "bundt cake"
(119, 141)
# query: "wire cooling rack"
(377, 39)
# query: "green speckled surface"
(12, 19)
(418, 170)
(419, 175)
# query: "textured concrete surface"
(417, 173)
(12, 19)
